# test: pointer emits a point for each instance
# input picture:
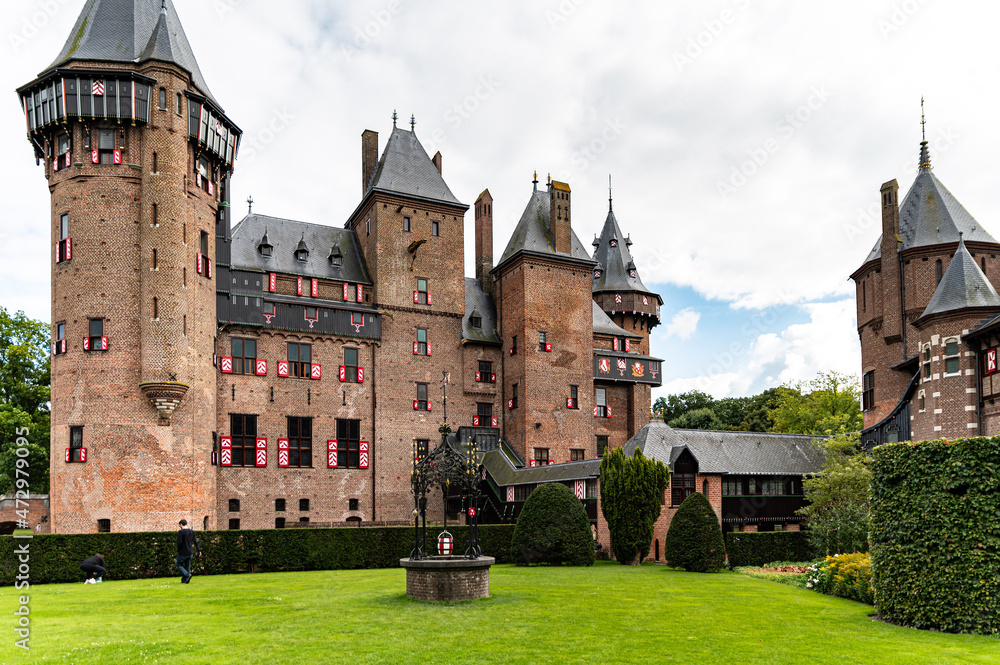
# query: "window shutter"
(315, 371)
(416, 296)
(510, 493)
(117, 157)
(69, 249)
(261, 367)
(596, 411)
(86, 344)
(198, 264)
(315, 287)
(95, 157)
(283, 368)
(227, 365)
(363, 456)
(272, 282)
(614, 344)
(416, 348)
(358, 290)
(534, 462)
(478, 375)
(548, 346)
(343, 373)
(569, 402)
(361, 375)
(628, 345)
(67, 455)
(494, 422)
(226, 443)
(430, 298)
(510, 403)
(430, 405)
(416, 404)
(607, 411)
(211, 190)
(331, 454)
(282, 452)
(299, 286)
(62, 345)
(475, 421)
(208, 267)
(197, 179)
(58, 252)
(83, 454)
(261, 451)
(347, 292)
(104, 344)
(429, 349)
(493, 378)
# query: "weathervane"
(250, 205)
(394, 116)
(609, 192)
(413, 122)
(923, 122)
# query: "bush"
(844, 575)
(935, 534)
(57, 558)
(756, 549)
(694, 540)
(631, 499)
(553, 528)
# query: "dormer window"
(336, 258)
(301, 250)
(265, 247)
(476, 321)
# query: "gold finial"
(549, 181)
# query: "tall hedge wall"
(756, 549)
(935, 534)
(57, 558)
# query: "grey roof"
(405, 168)
(743, 453)
(131, 31)
(603, 325)
(480, 303)
(963, 285)
(931, 215)
(616, 262)
(285, 235)
(504, 473)
(533, 232)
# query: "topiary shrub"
(631, 496)
(553, 528)
(694, 540)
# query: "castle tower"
(137, 154)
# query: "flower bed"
(844, 575)
(795, 573)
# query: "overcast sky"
(747, 139)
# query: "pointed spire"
(163, 6)
(925, 157)
(250, 205)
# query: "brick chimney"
(484, 238)
(559, 209)
(369, 158)
(892, 328)
(437, 160)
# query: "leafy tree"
(553, 528)
(697, 419)
(631, 493)
(837, 513)
(24, 397)
(832, 406)
(732, 412)
(758, 412)
(673, 406)
(694, 541)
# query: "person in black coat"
(187, 545)
(94, 566)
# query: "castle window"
(541, 341)
(513, 396)
(600, 403)
(104, 526)
(304, 520)
(435, 228)
(682, 483)
(577, 454)
(76, 453)
(732, 487)
(244, 433)
(299, 442)
(244, 356)
(180, 104)
(279, 522)
(156, 308)
(922, 402)
(542, 456)
(234, 505)
(351, 365)
(60, 340)
(279, 505)
(154, 264)
(421, 402)
(421, 347)
(96, 337)
(106, 147)
(927, 361)
(422, 296)
(406, 224)
(938, 271)
(868, 391)
(163, 99)
(234, 524)
(348, 443)
(203, 243)
(299, 359)
(602, 444)
(64, 251)
(476, 322)
(951, 357)
(513, 345)
(352, 504)
(485, 371)
(574, 397)
(304, 506)
(864, 297)
(484, 410)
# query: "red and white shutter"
(331, 454)
(282, 452)
(597, 411)
(67, 159)
(117, 156)
(69, 249)
(199, 264)
(416, 404)
(197, 179)
(226, 444)
(510, 493)
(580, 489)
(83, 454)
(548, 346)
(991, 361)
(510, 403)
(315, 287)
(363, 455)
(299, 285)
(261, 451)
(614, 344)
(478, 377)
(315, 371)
(272, 282)
(607, 411)
(416, 348)
(104, 343)
(416, 296)
(533, 462)
(493, 422)
(430, 405)
(95, 157)
(430, 298)
(493, 378)
(227, 365)
(261, 367)
(208, 267)
(569, 402)
(86, 344)
(283, 368)
(429, 348)
(343, 373)
(628, 345)
(475, 421)
(361, 375)
(68, 454)
(358, 291)
(347, 292)
(62, 346)
(211, 190)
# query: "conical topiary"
(553, 528)
(694, 541)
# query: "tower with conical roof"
(927, 282)
(137, 154)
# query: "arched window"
(951, 365)
(938, 272)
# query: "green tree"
(673, 406)
(631, 495)
(831, 406)
(553, 528)
(24, 398)
(694, 541)
(758, 412)
(697, 419)
(732, 412)
(837, 512)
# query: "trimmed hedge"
(935, 534)
(694, 539)
(553, 528)
(756, 549)
(57, 557)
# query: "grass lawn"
(604, 614)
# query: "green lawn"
(604, 614)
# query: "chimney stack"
(484, 239)
(369, 158)
(892, 328)
(437, 160)
(559, 211)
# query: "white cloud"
(684, 324)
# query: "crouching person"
(95, 568)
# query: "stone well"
(448, 577)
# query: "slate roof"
(603, 325)
(504, 473)
(285, 235)
(533, 232)
(616, 262)
(480, 303)
(931, 215)
(737, 453)
(963, 285)
(131, 31)
(405, 168)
